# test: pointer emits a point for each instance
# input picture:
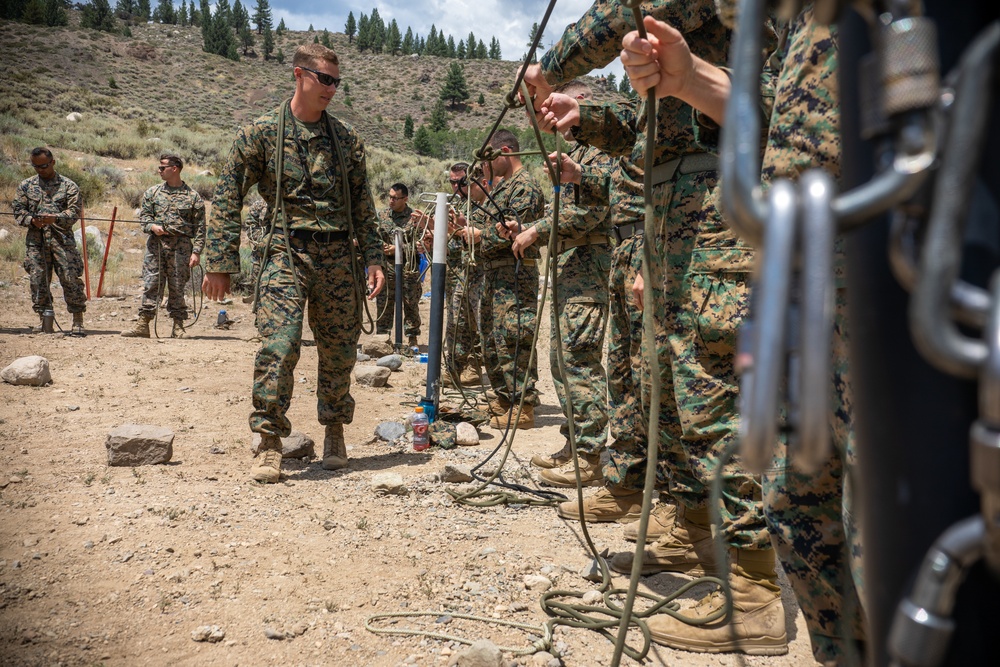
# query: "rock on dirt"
(482, 653)
(371, 376)
(297, 445)
(466, 434)
(389, 482)
(32, 371)
(139, 445)
(208, 633)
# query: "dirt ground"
(118, 566)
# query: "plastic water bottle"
(422, 358)
(421, 438)
(223, 318)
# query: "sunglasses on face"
(324, 78)
(460, 182)
(162, 167)
(393, 198)
(41, 166)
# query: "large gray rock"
(456, 474)
(390, 431)
(391, 361)
(466, 434)
(377, 348)
(139, 445)
(371, 376)
(32, 371)
(74, 117)
(296, 446)
(482, 653)
(93, 237)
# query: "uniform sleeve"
(20, 205)
(66, 218)
(243, 169)
(198, 220)
(595, 40)
(577, 220)
(363, 207)
(610, 127)
(147, 213)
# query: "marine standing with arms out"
(397, 216)
(49, 205)
(173, 214)
(322, 204)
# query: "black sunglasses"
(41, 166)
(324, 78)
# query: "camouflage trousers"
(51, 250)
(626, 464)
(461, 334)
(581, 306)
(699, 296)
(327, 288)
(508, 310)
(813, 530)
(386, 304)
(166, 265)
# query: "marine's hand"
(389, 248)
(638, 288)
(558, 112)
(195, 260)
(569, 171)
(538, 87)
(507, 229)
(663, 61)
(41, 221)
(523, 241)
(376, 281)
(215, 286)
(157, 229)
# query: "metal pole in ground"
(398, 301)
(438, 269)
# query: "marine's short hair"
(399, 187)
(574, 88)
(172, 160)
(40, 151)
(310, 54)
(506, 138)
(459, 166)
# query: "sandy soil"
(117, 566)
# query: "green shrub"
(91, 185)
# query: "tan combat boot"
(591, 473)
(757, 624)
(525, 421)
(411, 342)
(334, 448)
(446, 379)
(268, 467)
(554, 460)
(608, 504)
(141, 328)
(687, 548)
(470, 376)
(40, 327)
(77, 329)
(661, 521)
(177, 331)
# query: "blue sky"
(509, 21)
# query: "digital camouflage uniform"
(52, 247)
(181, 213)
(388, 222)
(510, 298)
(813, 529)
(581, 306)
(700, 272)
(461, 334)
(312, 191)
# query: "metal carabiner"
(809, 439)
(761, 386)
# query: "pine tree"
(408, 127)
(481, 51)
(238, 17)
(408, 42)
(194, 18)
(206, 27)
(247, 39)
(422, 143)
(393, 39)
(280, 30)
(612, 82)
(625, 88)
(262, 15)
(455, 87)
(432, 38)
(164, 12)
(182, 14)
(310, 27)
(531, 40)
(460, 50)
(376, 31)
(494, 49)
(324, 38)
(364, 33)
(267, 41)
(482, 100)
(96, 15)
(452, 51)
(125, 9)
(55, 13)
(439, 118)
(33, 13)
(143, 10)
(280, 57)
(350, 28)
(470, 46)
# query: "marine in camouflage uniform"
(580, 302)
(310, 262)
(813, 528)
(388, 222)
(258, 223)
(462, 351)
(180, 211)
(510, 297)
(50, 246)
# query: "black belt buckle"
(317, 237)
